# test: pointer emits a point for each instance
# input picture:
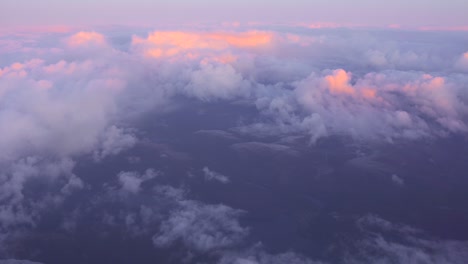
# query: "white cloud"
(217, 82)
(201, 227)
(211, 175)
(131, 181)
(411, 245)
(115, 140)
(398, 180)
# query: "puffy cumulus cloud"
(131, 181)
(15, 177)
(391, 104)
(201, 227)
(23, 203)
(337, 97)
(128, 210)
(50, 115)
(204, 229)
(211, 175)
(62, 107)
(115, 140)
(85, 38)
(54, 110)
(218, 82)
(338, 82)
(404, 245)
(18, 70)
(41, 96)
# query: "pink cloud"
(369, 93)
(244, 40)
(68, 68)
(84, 38)
(338, 82)
(189, 44)
(18, 69)
(45, 84)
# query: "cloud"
(115, 141)
(172, 43)
(258, 255)
(215, 176)
(87, 97)
(260, 148)
(398, 180)
(84, 38)
(405, 245)
(462, 62)
(218, 134)
(41, 103)
(204, 228)
(377, 100)
(23, 203)
(131, 181)
(221, 82)
(338, 82)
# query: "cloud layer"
(73, 98)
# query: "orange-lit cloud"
(191, 44)
(244, 40)
(338, 82)
(369, 93)
(86, 38)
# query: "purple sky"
(415, 13)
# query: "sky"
(415, 13)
